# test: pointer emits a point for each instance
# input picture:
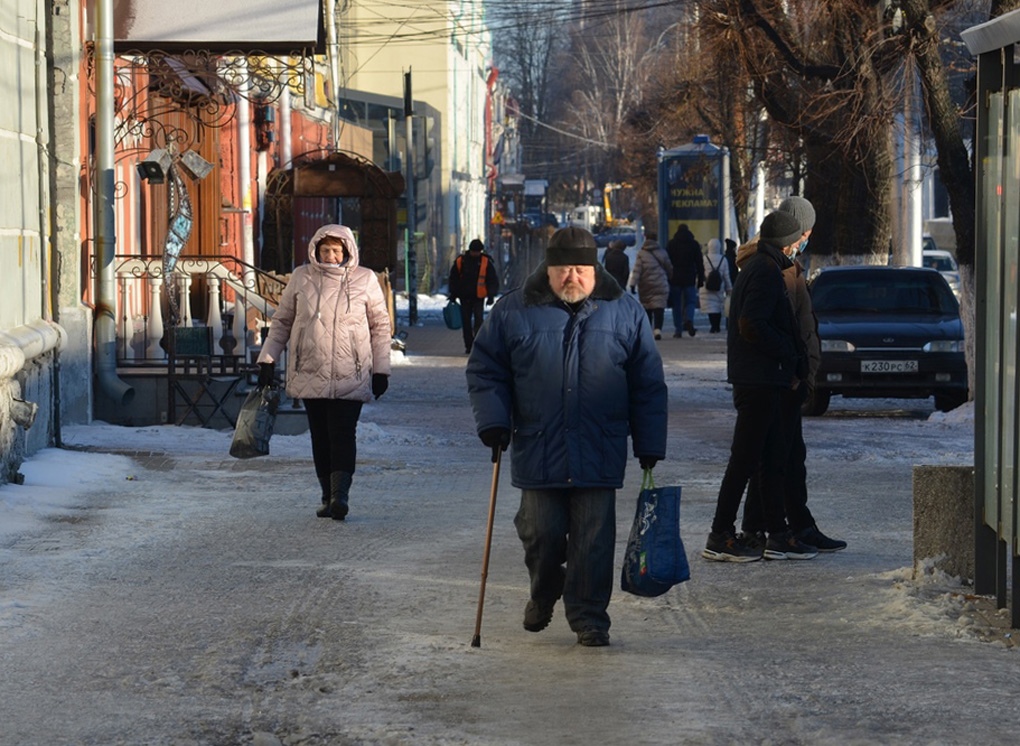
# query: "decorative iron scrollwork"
(201, 85)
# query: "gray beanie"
(801, 209)
(779, 229)
(571, 246)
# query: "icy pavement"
(155, 591)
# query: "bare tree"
(526, 38)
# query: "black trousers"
(472, 314)
(759, 447)
(333, 425)
(656, 317)
(569, 537)
(795, 494)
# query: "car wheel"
(948, 402)
(816, 403)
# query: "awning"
(220, 26)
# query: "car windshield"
(874, 293)
(941, 263)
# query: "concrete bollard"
(944, 519)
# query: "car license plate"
(888, 366)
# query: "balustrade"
(239, 300)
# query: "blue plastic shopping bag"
(655, 559)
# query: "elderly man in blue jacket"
(565, 368)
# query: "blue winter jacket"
(569, 385)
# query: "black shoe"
(726, 547)
(339, 494)
(752, 540)
(323, 512)
(537, 616)
(689, 326)
(593, 637)
(678, 335)
(785, 545)
(813, 537)
(338, 510)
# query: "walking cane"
(476, 641)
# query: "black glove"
(496, 438)
(647, 462)
(489, 300)
(380, 383)
(266, 371)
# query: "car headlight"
(944, 345)
(836, 345)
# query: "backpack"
(714, 280)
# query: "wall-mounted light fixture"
(155, 167)
(196, 166)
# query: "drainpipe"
(105, 244)
(286, 133)
(46, 236)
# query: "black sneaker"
(689, 326)
(726, 547)
(813, 537)
(787, 546)
(593, 638)
(537, 616)
(752, 540)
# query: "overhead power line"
(582, 138)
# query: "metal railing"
(238, 301)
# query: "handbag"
(655, 559)
(451, 314)
(255, 423)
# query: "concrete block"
(944, 519)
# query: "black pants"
(795, 475)
(472, 314)
(656, 317)
(333, 425)
(569, 537)
(759, 447)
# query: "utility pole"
(410, 256)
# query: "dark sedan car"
(888, 332)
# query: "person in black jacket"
(474, 283)
(688, 275)
(731, 258)
(765, 357)
(617, 263)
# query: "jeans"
(759, 446)
(333, 425)
(683, 300)
(569, 538)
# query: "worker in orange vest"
(474, 283)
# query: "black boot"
(339, 492)
(323, 512)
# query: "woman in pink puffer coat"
(333, 316)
